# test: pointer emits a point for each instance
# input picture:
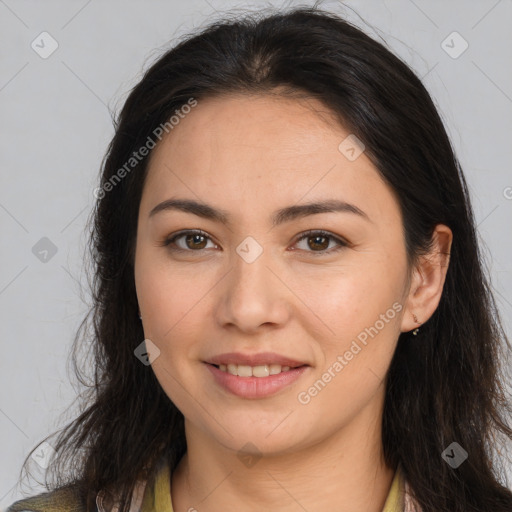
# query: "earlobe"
(428, 280)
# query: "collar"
(395, 500)
(148, 496)
(158, 496)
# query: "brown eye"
(317, 242)
(189, 241)
(195, 241)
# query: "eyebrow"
(279, 217)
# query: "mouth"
(255, 376)
(261, 365)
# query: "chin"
(262, 439)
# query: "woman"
(290, 308)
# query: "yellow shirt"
(158, 498)
(395, 500)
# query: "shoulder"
(65, 499)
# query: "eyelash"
(307, 234)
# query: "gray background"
(56, 124)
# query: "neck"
(345, 471)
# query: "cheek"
(166, 295)
(358, 311)
(356, 355)
(346, 300)
(174, 304)
(172, 309)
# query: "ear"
(427, 280)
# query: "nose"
(253, 294)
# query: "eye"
(319, 241)
(196, 241)
(193, 240)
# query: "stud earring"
(415, 332)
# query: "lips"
(255, 376)
(254, 387)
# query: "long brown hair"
(444, 385)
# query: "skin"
(250, 156)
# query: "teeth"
(275, 369)
(243, 370)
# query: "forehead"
(270, 126)
(256, 152)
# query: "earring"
(415, 332)
(140, 316)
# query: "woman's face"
(251, 283)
